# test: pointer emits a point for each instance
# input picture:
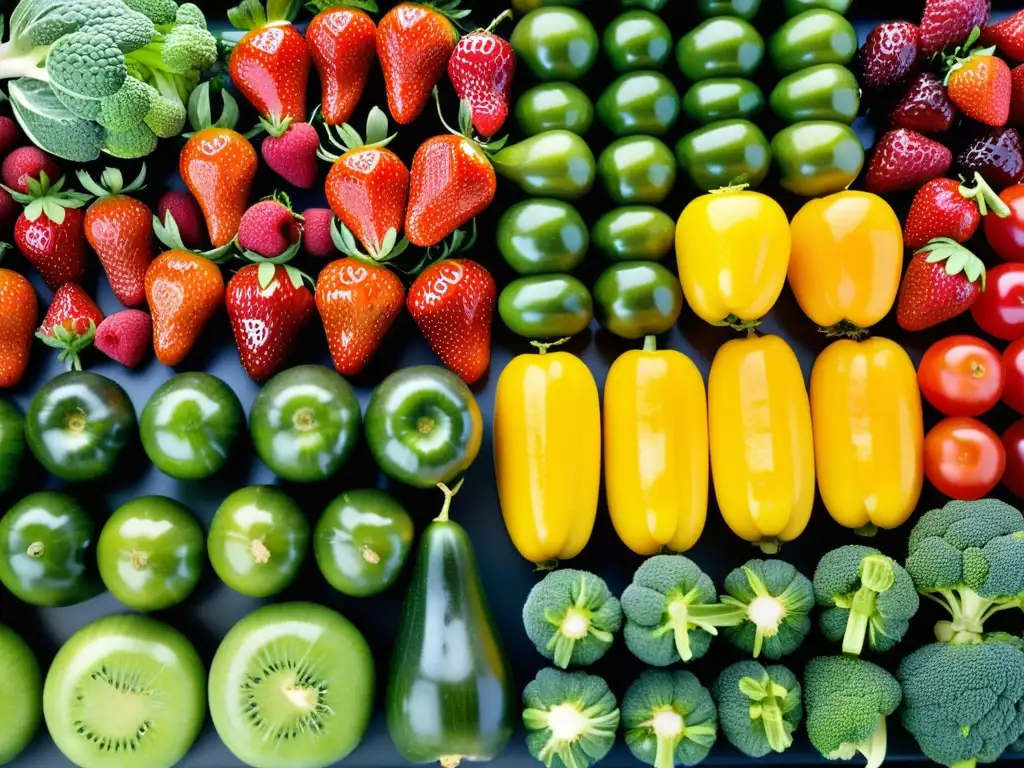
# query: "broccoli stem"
(876, 577)
(568, 724)
(965, 764)
(766, 613)
(969, 610)
(766, 696)
(149, 56)
(683, 617)
(667, 725)
(873, 748)
(31, 64)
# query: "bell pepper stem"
(650, 344)
(543, 346)
(449, 494)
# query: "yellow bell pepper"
(732, 250)
(547, 453)
(762, 453)
(868, 433)
(847, 260)
(656, 450)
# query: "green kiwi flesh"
(21, 694)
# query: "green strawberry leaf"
(297, 278)
(370, 6)
(265, 274)
(957, 258)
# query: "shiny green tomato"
(823, 92)
(637, 298)
(651, 5)
(551, 164)
(541, 235)
(525, 6)
(722, 98)
(744, 9)
(639, 102)
(720, 47)
(21, 711)
(817, 158)
(725, 153)
(796, 7)
(554, 106)
(546, 306)
(12, 444)
(634, 232)
(813, 37)
(556, 43)
(637, 169)
(637, 40)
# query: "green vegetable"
(637, 40)
(12, 445)
(571, 617)
(817, 157)
(824, 92)
(554, 106)
(725, 153)
(814, 37)
(722, 98)
(759, 707)
(634, 232)
(847, 700)
(637, 169)
(21, 713)
(570, 717)
(546, 306)
(540, 236)
(555, 43)
(776, 599)
(744, 9)
(651, 5)
(720, 47)
(669, 718)
(550, 164)
(864, 594)
(525, 6)
(639, 102)
(635, 299)
(796, 7)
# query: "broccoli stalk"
(686, 613)
(767, 698)
(758, 707)
(876, 577)
(669, 718)
(776, 599)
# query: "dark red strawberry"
(1007, 35)
(316, 233)
(70, 324)
(1017, 96)
(889, 55)
(8, 212)
(10, 136)
(481, 69)
(942, 281)
(26, 163)
(951, 209)
(947, 23)
(343, 42)
(50, 231)
(126, 336)
(187, 215)
(925, 107)
(289, 150)
(998, 155)
(904, 160)
(270, 230)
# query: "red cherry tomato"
(999, 310)
(962, 376)
(1006, 235)
(1013, 444)
(963, 458)
(1013, 365)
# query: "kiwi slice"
(125, 692)
(291, 686)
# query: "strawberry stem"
(985, 197)
(111, 182)
(200, 110)
(956, 257)
(506, 14)
(167, 232)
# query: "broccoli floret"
(126, 108)
(86, 63)
(669, 718)
(671, 613)
(166, 118)
(572, 617)
(50, 125)
(759, 707)
(776, 599)
(183, 50)
(570, 717)
(191, 14)
(136, 142)
(847, 700)
(159, 11)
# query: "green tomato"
(725, 153)
(546, 306)
(258, 539)
(637, 40)
(637, 298)
(423, 426)
(550, 164)
(362, 541)
(554, 106)
(21, 708)
(77, 425)
(540, 235)
(744, 9)
(817, 158)
(151, 553)
(305, 423)
(637, 169)
(720, 47)
(555, 43)
(525, 6)
(634, 232)
(12, 445)
(190, 425)
(722, 98)
(47, 551)
(824, 92)
(639, 102)
(796, 7)
(813, 37)
(651, 5)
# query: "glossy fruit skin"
(343, 44)
(12, 444)
(999, 310)
(257, 541)
(368, 190)
(639, 102)
(817, 157)
(270, 66)
(404, 411)
(821, 92)
(20, 715)
(151, 553)
(218, 166)
(551, 164)
(77, 425)
(189, 425)
(184, 292)
(962, 376)
(1013, 365)
(546, 306)
(814, 37)
(19, 305)
(554, 106)
(637, 40)
(120, 230)
(547, 454)
(540, 236)
(305, 423)
(868, 433)
(637, 169)
(47, 551)
(1006, 235)
(724, 153)
(1013, 446)
(846, 259)
(637, 298)
(796, 7)
(744, 9)
(722, 98)
(556, 43)
(362, 541)
(720, 47)
(634, 232)
(963, 458)
(756, 395)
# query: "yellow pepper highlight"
(762, 453)
(868, 433)
(547, 453)
(656, 450)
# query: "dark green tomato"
(725, 153)
(744, 9)
(651, 5)
(637, 40)
(817, 158)
(151, 553)
(555, 43)
(539, 236)
(525, 6)
(77, 425)
(305, 423)
(720, 47)
(362, 541)
(47, 551)
(813, 37)
(190, 425)
(258, 539)
(551, 164)
(634, 232)
(423, 426)
(637, 298)
(546, 306)
(639, 102)
(824, 92)
(554, 106)
(637, 169)
(12, 444)
(796, 7)
(722, 98)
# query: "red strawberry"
(8, 211)
(270, 230)
(187, 215)
(998, 155)
(290, 151)
(925, 107)
(26, 163)
(905, 159)
(980, 84)
(184, 291)
(414, 43)
(70, 323)
(481, 69)
(1007, 35)
(947, 23)
(950, 209)
(343, 42)
(316, 233)
(50, 230)
(942, 281)
(452, 302)
(19, 313)
(888, 55)
(1017, 96)
(10, 135)
(126, 336)
(269, 306)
